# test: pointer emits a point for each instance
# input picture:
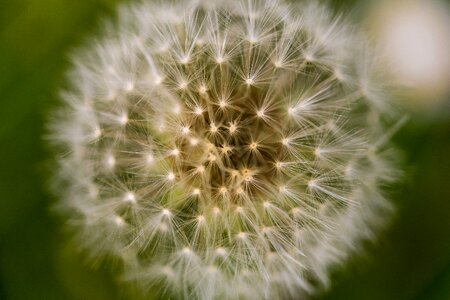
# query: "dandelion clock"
(223, 149)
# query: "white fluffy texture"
(224, 151)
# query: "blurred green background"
(411, 260)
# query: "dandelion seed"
(249, 81)
(213, 128)
(184, 60)
(97, 133)
(183, 84)
(119, 221)
(185, 130)
(110, 161)
(158, 80)
(175, 152)
(129, 86)
(202, 90)
(242, 235)
(232, 128)
(187, 251)
(279, 165)
(123, 119)
(171, 176)
(221, 251)
(198, 111)
(193, 142)
(291, 111)
(220, 60)
(149, 159)
(223, 190)
(129, 197)
(253, 146)
(176, 109)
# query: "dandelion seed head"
(235, 147)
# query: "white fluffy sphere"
(224, 149)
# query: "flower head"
(223, 150)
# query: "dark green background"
(411, 260)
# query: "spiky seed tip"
(197, 140)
